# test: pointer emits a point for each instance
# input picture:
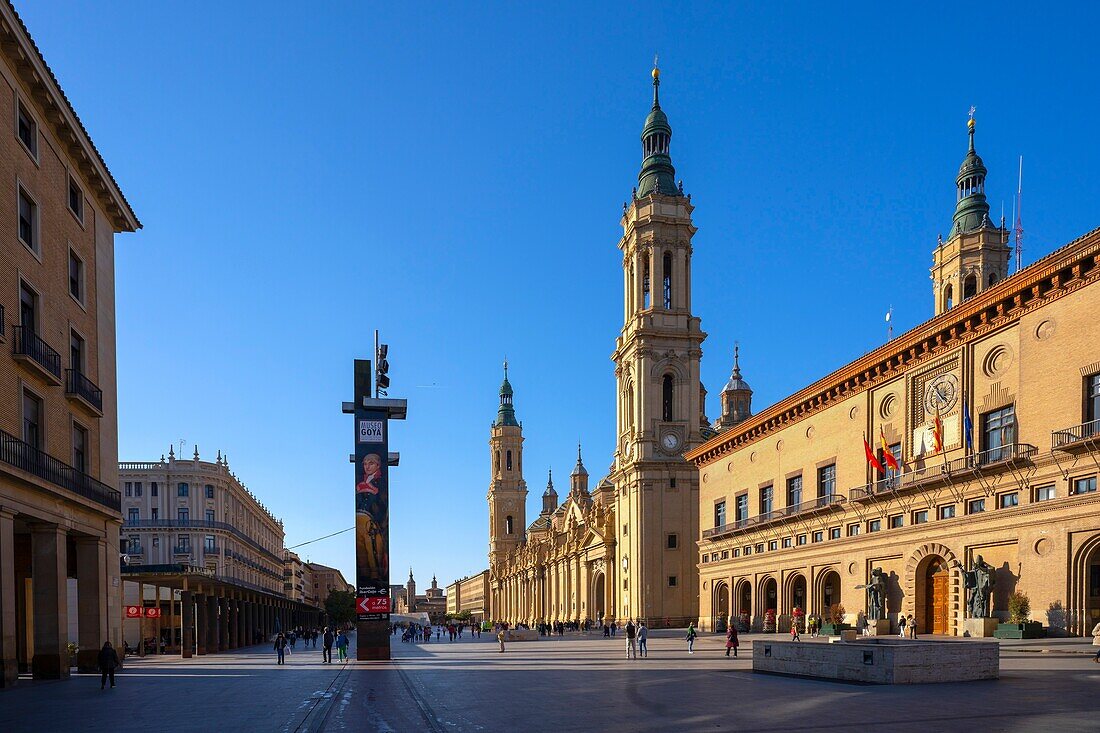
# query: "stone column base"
(87, 660)
(50, 666)
(879, 628)
(980, 627)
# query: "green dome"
(971, 207)
(657, 174)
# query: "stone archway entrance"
(769, 601)
(798, 593)
(598, 596)
(829, 593)
(721, 606)
(744, 600)
(933, 597)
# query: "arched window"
(629, 407)
(666, 397)
(948, 298)
(992, 279)
(496, 463)
(668, 280)
(508, 459)
(508, 524)
(645, 282)
(970, 287)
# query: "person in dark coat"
(731, 640)
(280, 648)
(108, 662)
(326, 645)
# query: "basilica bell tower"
(507, 490)
(660, 410)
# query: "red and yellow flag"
(871, 455)
(937, 432)
(887, 454)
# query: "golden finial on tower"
(970, 122)
(656, 71)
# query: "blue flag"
(968, 426)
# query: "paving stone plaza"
(572, 683)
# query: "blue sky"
(454, 176)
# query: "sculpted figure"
(979, 581)
(876, 595)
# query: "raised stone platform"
(880, 660)
(521, 635)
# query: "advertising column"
(372, 521)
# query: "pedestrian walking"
(794, 631)
(500, 639)
(643, 636)
(731, 640)
(326, 646)
(811, 626)
(1095, 642)
(901, 626)
(280, 647)
(108, 662)
(342, 645)
(293, 641)
(912, 624)
(691, 638)
(631, 640)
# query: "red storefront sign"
(134, 611)
(152, 613)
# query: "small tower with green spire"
(578, 480)
(976, 254)
(657, 174)
(507, 490)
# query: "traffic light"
(381, 369)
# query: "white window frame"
(20, 105)
(36, 225)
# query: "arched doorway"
(744, 603)
(721, 605)
(829, 593)
(597, 601)
(798, 593)
(769, 597)
(933, 596)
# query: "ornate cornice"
(1058, 274)
(31, 67)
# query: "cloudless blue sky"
(454, 176)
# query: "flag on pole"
(887, 454)
(937, 432)
(871, 455)
(968, 426)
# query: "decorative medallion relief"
(888, 406)
(1045, 330)
(997, 361)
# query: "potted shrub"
(834, 621)
(769, 620)
(744, 623)
(720, 625)
(1019, 625)
(72, 648)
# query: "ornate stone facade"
(1007, 378)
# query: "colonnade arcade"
(199, 615)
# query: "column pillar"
(201, 614)
(91, 595)
(49, 568)
(212, 623)
(9, 661)
(187, 614)
(234, 623)
(223, 624)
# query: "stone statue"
(876, 595)
(979, 580)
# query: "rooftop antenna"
(1019, 223)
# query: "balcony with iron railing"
(1081, 437)
(181, 550)
(79, 386)
(28, 347)
(991, 461)
(26, 457)
(803, 509)
(211, 550)
(200, 524)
